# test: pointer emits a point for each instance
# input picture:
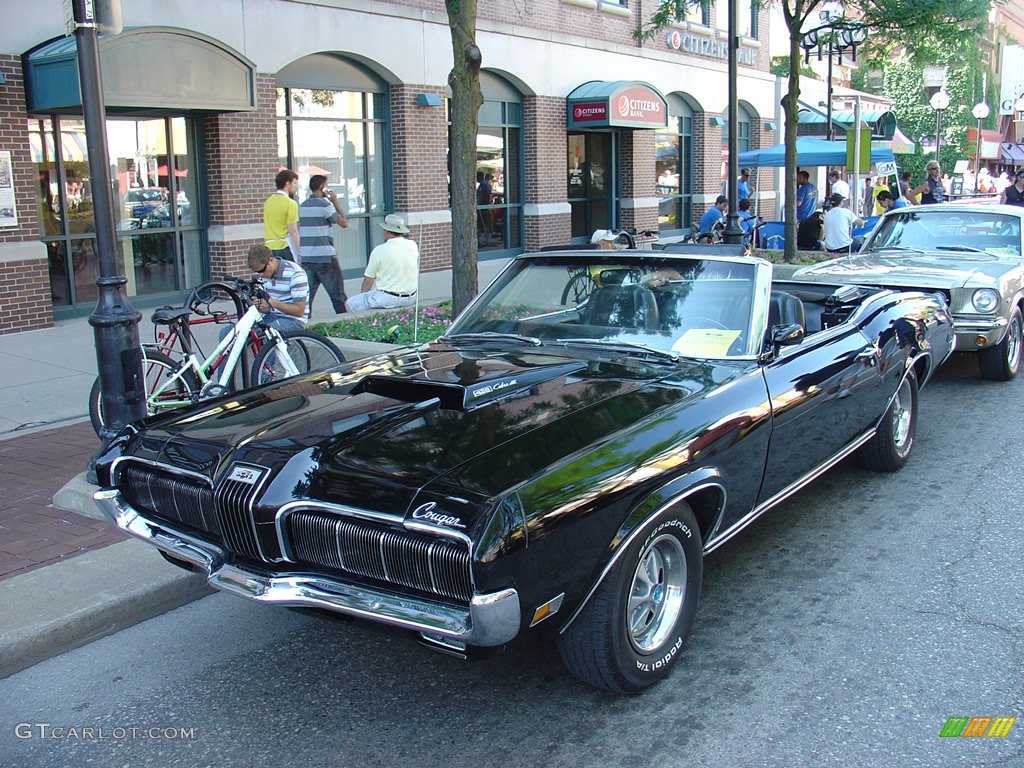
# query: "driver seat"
(785, 309)
(622, 306)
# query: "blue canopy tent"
(809, 152)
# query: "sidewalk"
(67, 574)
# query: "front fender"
(705, 483)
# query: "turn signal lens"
(981, 341)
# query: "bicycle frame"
(235, 341)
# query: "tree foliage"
(919, 26)
(464, 81)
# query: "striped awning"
(74, 147)
(1012, 154)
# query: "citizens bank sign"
(616, 104)
(699, 45)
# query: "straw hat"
(394, 223)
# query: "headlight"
(985, 300)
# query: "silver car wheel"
(1013, 344)
(656, 594)
(902, 415)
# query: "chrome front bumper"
(490, 619)
(967, 331)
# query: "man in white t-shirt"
(837, 225)
(839, 185)
(392, 274)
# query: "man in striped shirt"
(317, 216)
(287, 286)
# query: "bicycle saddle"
(169, 315)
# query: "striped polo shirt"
(316, 221)
(289, 284)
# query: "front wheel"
(163, 389)
(308, 352)
(890, 447)
(1001, 362)
(631, 632)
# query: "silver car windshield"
(935, 228)
(689, 307)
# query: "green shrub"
(392, 325)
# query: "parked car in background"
(971, 254)
(141, 201)
(558, 462)
(161, 216)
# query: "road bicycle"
(583, 280)
(171, 383)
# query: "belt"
(399, 295)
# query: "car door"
(824, 395)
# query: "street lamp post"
(836, 37)
(980, 112)
(939, 102)
(1018, 109)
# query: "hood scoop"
(462, 396)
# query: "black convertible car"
(560, 461)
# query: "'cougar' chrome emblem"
(426, 512)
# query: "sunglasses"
(264, 270)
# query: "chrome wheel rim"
(902, 415)
(1013, 344)
(656, 594)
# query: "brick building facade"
(367, 106)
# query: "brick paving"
(32, 532)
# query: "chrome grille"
(438, 566)
(234, 512)
(169, 497)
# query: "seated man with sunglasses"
(288, 287)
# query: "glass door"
(592, 182)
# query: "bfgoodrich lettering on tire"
(632, 631)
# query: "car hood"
(379, 434)
(941, 269)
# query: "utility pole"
(115, 322)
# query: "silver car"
(969, 253)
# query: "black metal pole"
(733, 232)
(115, 322)
(977, 160)
(938, 135)
(828, 126)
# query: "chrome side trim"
(639, 529)
(786, 492)
(490, 619)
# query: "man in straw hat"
(390, 278)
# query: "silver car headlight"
(985, 300)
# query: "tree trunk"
(790, 108)
(464, 81)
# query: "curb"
(68, 604)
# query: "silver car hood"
(936, 269)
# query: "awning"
(991, 143)
(150, 69)
(1012, 154)
(616, 104)
(73, 147)
(810, 152)
(812, 122)
(900, 144)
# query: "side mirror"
(787, 335)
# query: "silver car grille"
(224, 511)
(169, 497)
(437, 566)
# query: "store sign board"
(618, 105)
(709, 47)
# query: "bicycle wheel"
(309, 352)
(579, 287)
(157, 369)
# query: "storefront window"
(673, 160)
(155, 188)
(499, 196)
(340, 135)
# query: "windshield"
(680, 306)
(930, 228)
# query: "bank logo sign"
(978, 727)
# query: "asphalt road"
(843, 629)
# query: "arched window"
(333, 120)
(499, 168)
(673, 161)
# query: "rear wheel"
(890, 448)
(157, 370)
(1001, 362)
(631, 632)
(308, 351)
